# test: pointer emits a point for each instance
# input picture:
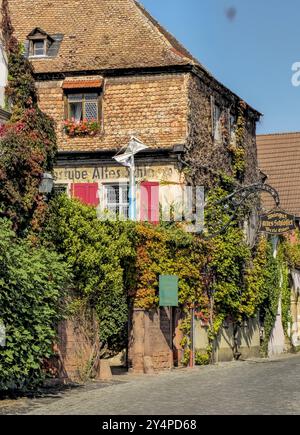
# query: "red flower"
(81, 127)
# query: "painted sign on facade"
(115, 173)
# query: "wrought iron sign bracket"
(237, 198)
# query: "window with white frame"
(38, 48)
(39, 43)
(83, 106)
(116, 199)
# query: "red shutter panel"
(144, 205)
(87, 193)
(150, 202)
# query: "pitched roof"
(279, 159)
(98, 34)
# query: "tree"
(27, 142)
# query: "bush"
(32, 283)
(202, 359)
(98, 253)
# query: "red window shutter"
(86, 192)
(150, 202)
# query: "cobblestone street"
(253, 387)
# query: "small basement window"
(83, 106)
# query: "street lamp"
(46, 184)
(127, 159)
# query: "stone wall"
(295, 317)
(248, 339)
(153, 108)
(151, 336)
(77, 349)
(205, 155)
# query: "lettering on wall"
(103, 173)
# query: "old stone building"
(107, 71)
(105, 77)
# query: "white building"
(3, 81)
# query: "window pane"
(217, 116)
(117, 199)
(113, 196)
(91, 97)
(91, 106)
(75, 98)
(75, 111)
(124, 212)
(60, 188)
(91, 110)
(125, 194)
(38, 48)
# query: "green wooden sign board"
(168, 291)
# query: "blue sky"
(252, 52)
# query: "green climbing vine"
(236, 145)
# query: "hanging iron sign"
(277, 222)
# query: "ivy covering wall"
(98, 253)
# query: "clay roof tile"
(279, 159)
(98, 35)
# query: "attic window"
(38, 48)
(39, 43)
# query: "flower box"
(81, 128)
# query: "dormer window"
(39, 43)
(38, 48)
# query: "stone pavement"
(252, 387)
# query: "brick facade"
(78, 349)
(152, 107)
(151, 337)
